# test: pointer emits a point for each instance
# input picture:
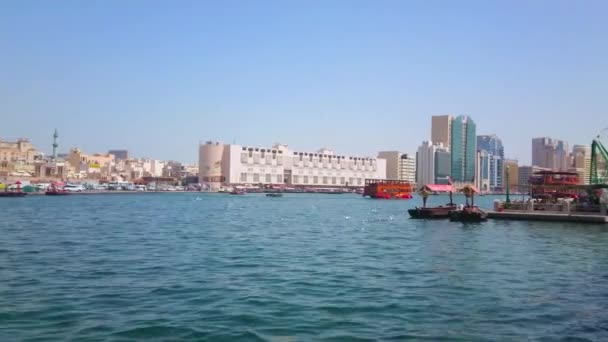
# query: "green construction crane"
(599, 172)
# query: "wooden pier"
(548, 216)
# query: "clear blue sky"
(156, 77)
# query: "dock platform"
(548, 216)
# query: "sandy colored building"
(401, 166)
(581, 161)
(17, 159)
(441, 130)
(511, 171)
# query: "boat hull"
(274, 195)
(470, 214)
(56, 193)
(13, 194)
(391, 196)
(431, 212)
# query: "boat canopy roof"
(439, 187)
(470, 187)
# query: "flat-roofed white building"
(221, 164)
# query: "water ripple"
(330, 268)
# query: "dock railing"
(562, 206)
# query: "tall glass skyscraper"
(493, 145)
(463, 149)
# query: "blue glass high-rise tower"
(463, 148)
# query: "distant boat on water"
(13, 193)
(238, 192)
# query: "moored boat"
(56, 189)
(238, 192)
(468, 214)
(437, 212)
(56, 192)
(274, 194)
(387, 189)
(13, 193)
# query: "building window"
(342, 180)
(256, 178)
(333, 180)
(324, 180)
(250, 153)
(305, 179)
(296, 179)
(268, 180)
(279, 179)
(315, 180)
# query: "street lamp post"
(508, 185)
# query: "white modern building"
(432, 164)
(407, 168)
(483, 170)
(221, 164)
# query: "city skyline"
(63, 150)
(162, 78)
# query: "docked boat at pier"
(387, 189)
(17, 192)
(436, 212)
(238, 191)
(470, 212)
(56, 189)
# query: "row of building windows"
(324, 180)
(257, 159)
(343, 166)
(308, 172)
(260, 178)
(311, 180)
(338, 160)
(328, 156)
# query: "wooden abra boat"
(468, 214)
(438, 212)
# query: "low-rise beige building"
(96, 166)
(17, 159)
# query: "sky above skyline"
(157, 77)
